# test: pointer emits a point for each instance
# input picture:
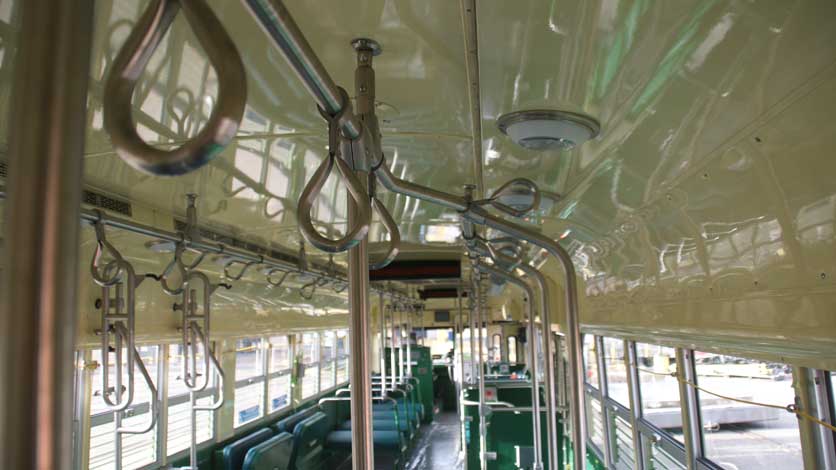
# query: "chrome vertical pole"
(483, 426)
(460, 339)
(409, 341)
(691, 423)
(39, 289)
(362, 449)
(472, 302)
(606, 410)
(392, 358)
(382, 346)
(532, 355)
(401, 348)
(549, 375)
(816, 446)
(631, 366)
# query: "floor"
(438, 445)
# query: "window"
(179, 407)
(740, 435)
(441, 344)
(616, 371)
(512, 349)
(342, 357)
(327, 379)
(594, 413)
(310, 364)
(659, 389)
(278, 385)
(249, 378)
(137, 449)
(618, 417)
(496, 348)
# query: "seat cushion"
(383, 439)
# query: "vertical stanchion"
(382, 346)
(362, 450)
(392, 358)
(483, 426)
(409, 341)
(691, 423)
(39, 290)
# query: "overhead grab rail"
(128, 66)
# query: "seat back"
(289, 424)
(271, 454)
(234, 453)
(308, 443)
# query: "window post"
(632, 372)
(603, 396)
(691, 422)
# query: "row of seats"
(320, 436)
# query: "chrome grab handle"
(131, 61)
(394, 235)
(273, 271)
(358, 194)
(218, 370)
(244, 268)
(192, 330)
(120, 325)
(155, 405)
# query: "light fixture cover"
(548, 129)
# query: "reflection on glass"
(590, 360)
(739, 435)
(512, 349)
(659, 388)
(616, 371)
(249, 396)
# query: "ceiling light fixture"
(541, 129)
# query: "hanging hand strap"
(128, 67)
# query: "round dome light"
(548, 129)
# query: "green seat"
(379, 425)
(308, 443)
(289, 424)
(271, 454)
(234, 453)
(390, 440)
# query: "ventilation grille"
(107, 203)
(4, 169)
(206, 234)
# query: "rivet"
(823, 275)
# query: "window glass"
(496, 347)
(590, 360)
(310, 364)
(616, 371)
(179, 421)
(594, 420)
(327, 369)
(659, 388)
(660, 459)
(440, 342)
(342, 356)
(278, 388)
(512, 349)
(249, 376)
(137, 449)
(623, 455)
(279, 353)
(739, 435)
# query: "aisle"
(438, 445)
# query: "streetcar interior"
(407, 235)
